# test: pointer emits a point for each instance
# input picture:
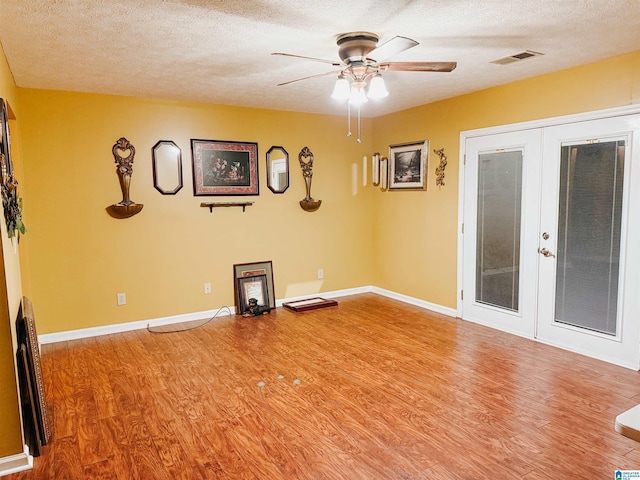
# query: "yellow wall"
(416, 232)
(10, 297)
(80, 257)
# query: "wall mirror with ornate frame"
(277, 169)
(167, 167)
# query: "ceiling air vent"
(517, 57)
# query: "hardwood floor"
(371, 389)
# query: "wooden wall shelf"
(211, 205)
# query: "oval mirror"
(167, 167)
(277, 169)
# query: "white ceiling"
(218, 51)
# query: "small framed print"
(252, 287)
(224, 168)
(384, 174)
(244, 270)
(309, 304)
(375, 169)
(408, 166)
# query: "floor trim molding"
(129, 326)
(16, 463)
(452, 312)
(221, 312)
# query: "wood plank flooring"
(371, 389)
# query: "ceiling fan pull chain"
(348, 119)
(359, 141)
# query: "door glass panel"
(589, 223)
(498, 229)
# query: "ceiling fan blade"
(330, 62)
(391, 48)
(310, 76)
(418, 66)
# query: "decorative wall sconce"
(305, 157)
(440, 168)
(126, 208)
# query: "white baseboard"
(189, 317)
(129, 326)
(434, 307)
(16, 463)
(334, 294)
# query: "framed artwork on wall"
(224, 168)
(408, 166)
(5, 148)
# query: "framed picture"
(375, 169)
(408, 166)
(224, 168)
(248, 270)
(5, 147)
(28, 403)
(252, 287)
(384, 174)
(309, 304)
(31, 377)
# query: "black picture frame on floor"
(32, 383)
(243, 270)
(27, 401)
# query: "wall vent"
(517, 57)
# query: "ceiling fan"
(361, 62)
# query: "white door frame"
(631, 305)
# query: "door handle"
(545, 252)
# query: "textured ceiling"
(219, 51)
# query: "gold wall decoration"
(11, 203)
(440, 168)
(124, 168)
(305, 157)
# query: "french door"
(501, 210)
(550, 218)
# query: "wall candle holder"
(127, 207)
(305, 157)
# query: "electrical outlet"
(122, 298)
(320, 273)
(207, 288)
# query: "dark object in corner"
(254, 309)
(34, 405)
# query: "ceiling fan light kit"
(358, 52)
(377, 87)
(342, 89)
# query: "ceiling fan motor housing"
(354, 47)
